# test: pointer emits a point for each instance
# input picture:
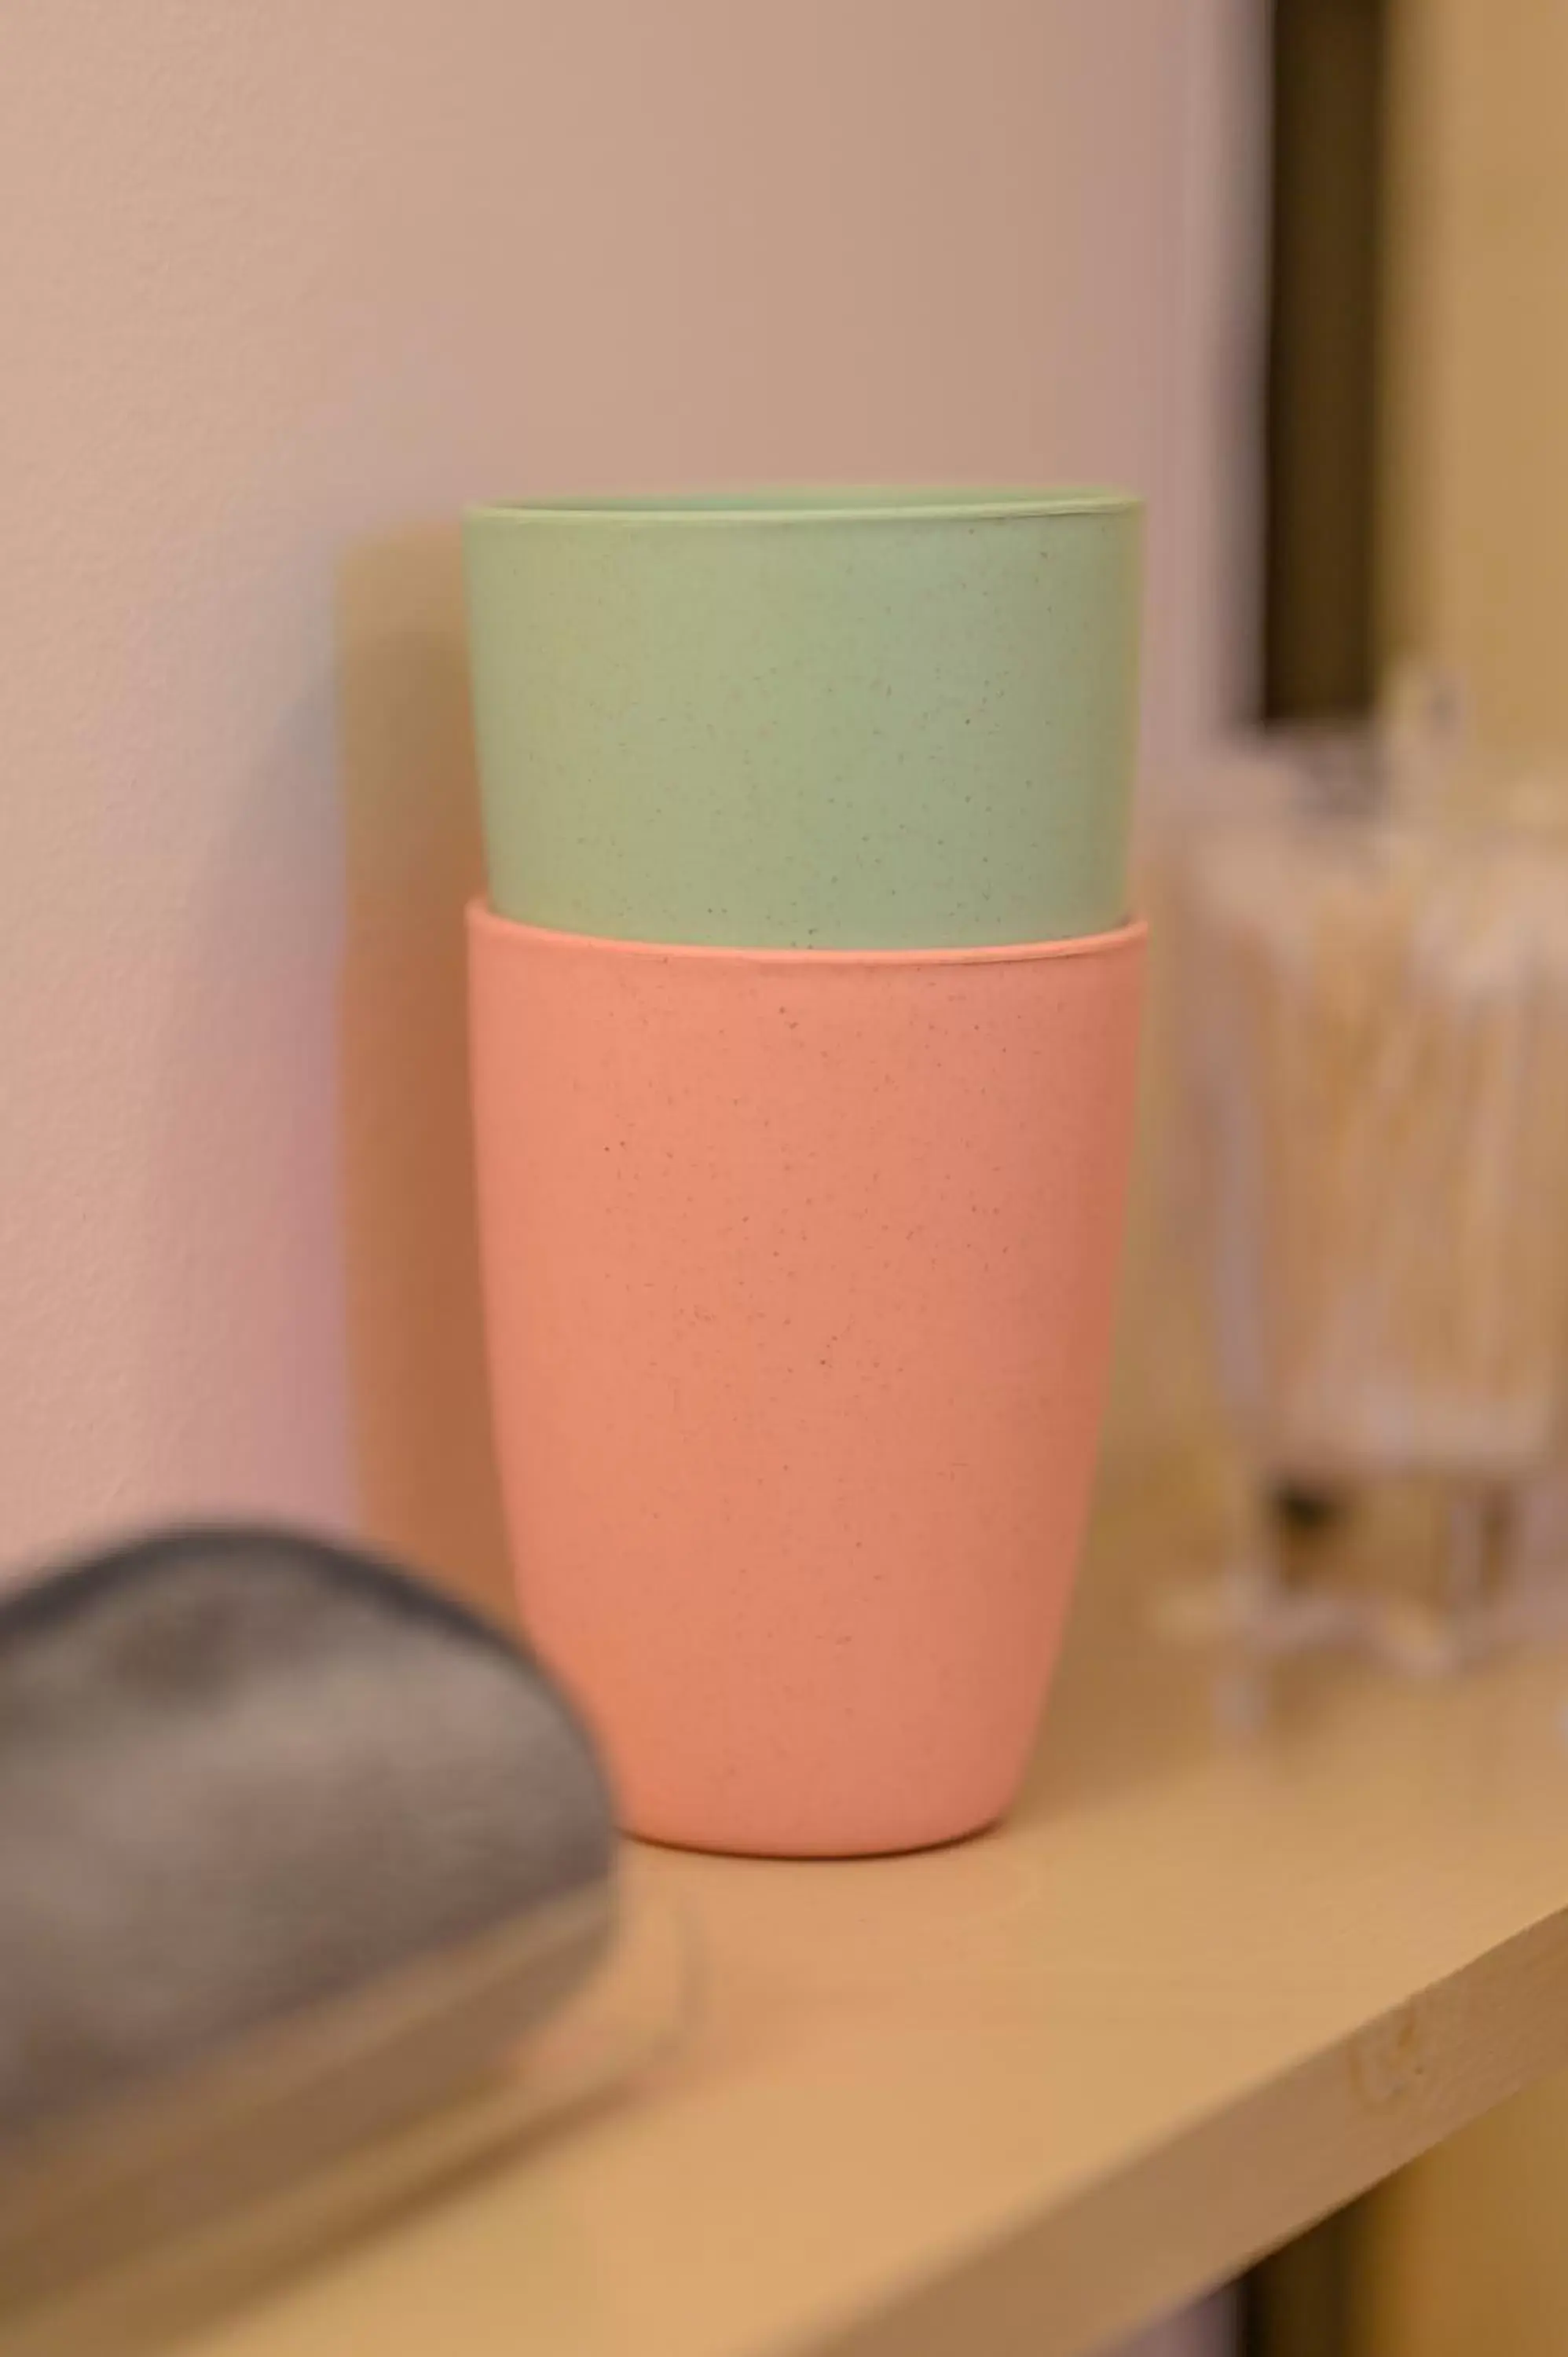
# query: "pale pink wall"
(281, 285)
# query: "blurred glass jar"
(1371, 961)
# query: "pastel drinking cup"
(846, 719)
(799, 1276)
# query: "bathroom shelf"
(1015, 2097)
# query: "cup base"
(711, 1842)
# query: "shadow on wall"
(420, 1409)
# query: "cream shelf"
(1013, 2098)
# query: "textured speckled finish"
(852, 719)
(799, 1275)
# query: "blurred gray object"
(289, 1841)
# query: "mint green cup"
(835, 719)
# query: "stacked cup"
(804, 1027)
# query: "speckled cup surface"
(799, 1280)
(847, 719)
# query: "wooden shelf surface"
(1019, 2095)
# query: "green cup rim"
(796, 504)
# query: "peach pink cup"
(799, 1270)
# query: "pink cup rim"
(483, 921)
